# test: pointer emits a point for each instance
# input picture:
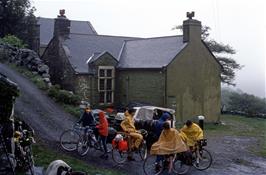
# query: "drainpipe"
(127, 89)
(165, 85)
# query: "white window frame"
(105, 68)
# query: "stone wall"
(193, 84)
(139, 85)
(26, 58)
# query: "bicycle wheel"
(150, 167)
(83, 146)
(143, 150)
(179, 167)
(204, 161)
(69, 140)
(30, 160)
(119, 156)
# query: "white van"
(145, 113)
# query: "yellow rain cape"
(169, 142)
(194, 133)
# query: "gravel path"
(230, 154)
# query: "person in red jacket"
(103, 132)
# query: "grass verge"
(241, 126)
(43, 156)
(35, 78)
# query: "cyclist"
(169, 143)
(103, 132)
(87, 119)
(193, 132)
(128, 126)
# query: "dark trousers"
(103, 140)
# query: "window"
(106, 84)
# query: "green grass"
(35, 78)
(238, 126)
(73, 110)
(241, 126)
(44, 156)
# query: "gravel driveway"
(230, 154)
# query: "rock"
(49, 84)
(46, 80)
(46, 75)
(43, 68)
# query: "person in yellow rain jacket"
(170, 142)
(128, 126)
(193, 133)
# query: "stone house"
(46, 30)
(178, 72)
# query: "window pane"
(101, 73)
(109, 84)
(109, 97)
(109, 72)
(101, 84)
(101, 99)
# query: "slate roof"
(81, 48)
(150, 52)
(47, 28)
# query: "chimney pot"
(191, 28)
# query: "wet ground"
(231, 155)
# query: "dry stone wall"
(26, 58)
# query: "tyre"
(179, 167)
(204, 161)
(119, 156)
(69, 140)
(143, 150)
(30, 160)
(83, 146)
(149, 166)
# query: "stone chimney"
(191, 29)
(61, 25)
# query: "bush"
(73, 110)
(63, 96)
(13, 40)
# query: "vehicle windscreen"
(144, 114)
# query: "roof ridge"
(105, 35)
(69, 19)
(172, 36)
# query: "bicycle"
(70, 137)
(150, 167)
(23, 139)
(88, 141)
(201, 157)
(120, 156)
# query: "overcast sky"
(239, 23)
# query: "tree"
(16, 18)
(223, 54)
(239, 102)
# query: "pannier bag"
(120, 143)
